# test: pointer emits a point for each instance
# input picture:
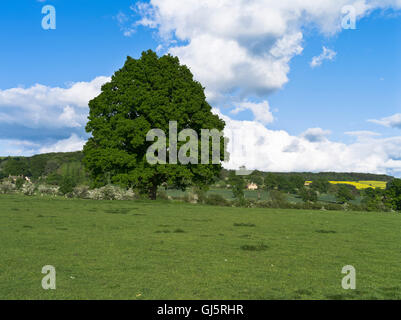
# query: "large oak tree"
(145, 94)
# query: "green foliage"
(67, 185)
(44, 165)
(28, 189)
(320, 185)
(270, 177)
(6, 186)
(373, 199)
(19, 182)
(270, 181)
(216, 200)
(308, 195)
(54, 179)
(162, 194)
(296, 182)
(16, 167)
(146, 94)
(344, 194)
(257, 178)
(237, 186)
(278, 198)
(286, 183)
(393, 194)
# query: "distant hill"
(54, 165)
(329, 176)
(70, 163)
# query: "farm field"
(363, 184)
(168, 250)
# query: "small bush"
(190, 197)
(47, 190)
(216, 200)
(28, 189)
(19, 183)
(263, 204)
(111, 192)
(244, 203)
(81, 192)
(162, 194)
(67, 186)
(333, 206)
(7, 187)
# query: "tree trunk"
(153, 192)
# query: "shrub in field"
(308, 195)
(6, 187)
(162, 194)
(81, 192)
(111, 192)
(314, 206)
(200, 193)
(263, 204)
(344, 194)
(237, 186)
(48, 190)
(95, 194)
(190, 197)
(279, 200)
(216, 200)
(19, 183)
(244, 203)
(127, 194)
(67, 185)
(28, 189)
(186, 198)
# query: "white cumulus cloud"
(73, 143)
(393, 121)
(253, 145)
(261, 111)
(327, 54)
(315, 134)
(42, 106)
(245, 46)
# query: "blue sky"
(361, 82)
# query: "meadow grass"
(168, 250)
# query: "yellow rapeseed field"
(375, 184)
(363, 184)
(358, 184)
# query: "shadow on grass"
(259, 247)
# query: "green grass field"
(165, 250)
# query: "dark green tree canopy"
(393, 194)
(146, 94)
(308, 195)
(344, 194)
